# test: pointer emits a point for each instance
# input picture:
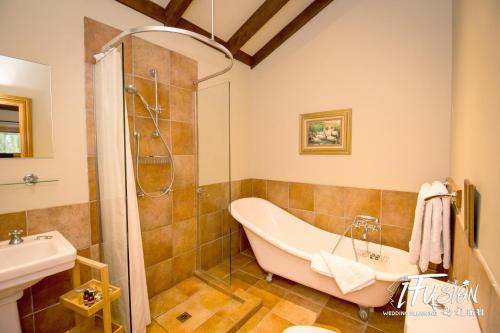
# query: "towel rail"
(455, 194)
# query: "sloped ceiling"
(281, 19)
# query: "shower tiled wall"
(220, 234)
(168, 223)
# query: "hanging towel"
(416, 235)
(446, 233)
(438, 222)
(430, 240)
(349, 275)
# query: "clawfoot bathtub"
(283, 245)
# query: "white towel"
(446, 233)
(349, 275)
(416, 235)
(431, 228)
(438, 222)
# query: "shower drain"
(183, 317)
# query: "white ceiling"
(231, 14)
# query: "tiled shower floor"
(284, 303)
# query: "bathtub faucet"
(367, 224)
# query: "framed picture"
(326, 132)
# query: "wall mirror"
(25, 109)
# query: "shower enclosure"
(163, 169)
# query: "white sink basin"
(23, 265)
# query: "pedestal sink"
(23, 265)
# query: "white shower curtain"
(117, 194)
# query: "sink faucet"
(15, 237)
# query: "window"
(9, 143)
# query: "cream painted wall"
(388, 60)
(476, 114)
(52, 33)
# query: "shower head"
(131, 89)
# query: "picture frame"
(326, 133)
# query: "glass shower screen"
(217, 240)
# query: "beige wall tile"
(47, 291)
(361, 202)
(236, 190)
(229, 223)
(246, 188)
(302, 196)
(211, 254)
(330, 223)
(91, 169)
(329, 200)
(72, 221)
(90, 125)
(181, 104)
(154, 177)
(183, 236)
(54, 319)
(210, 226)
(25, 304)
(184, 71)
(182, 138)
(184, 171)
(96, 34)
(95, 225)
(157, 245)
(155, 212)
(183, 266)
(183, 204)
(159, 277)
(28, 324)
(149, 144)
(147, 56)
(212, 198)
(395, 236)
(398, 208)
(305, 215)
(259, 188)
(277, 193)
(231, 244)
(147, 89)
(12, 221)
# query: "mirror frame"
(25, 130)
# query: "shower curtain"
(117, 194)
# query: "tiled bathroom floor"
(284, 303)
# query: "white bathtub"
(283, 245)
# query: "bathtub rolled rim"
(379, 275)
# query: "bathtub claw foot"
(364, 312)
(269, 277)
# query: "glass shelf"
(21, 182)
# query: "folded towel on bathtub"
(349, 275)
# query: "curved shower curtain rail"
(194, 35)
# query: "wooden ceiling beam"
(157, 13)
(174, 11)
(260, 17)
(291, 28)
(146, 7)
(239, 55)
